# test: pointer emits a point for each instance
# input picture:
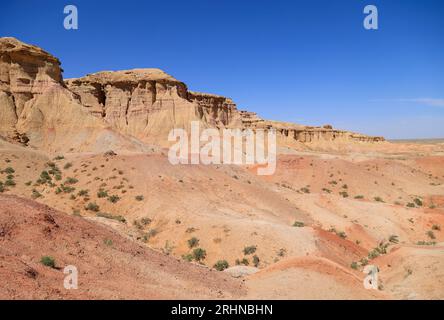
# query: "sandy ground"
(349, 203)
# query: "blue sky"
(306, 61)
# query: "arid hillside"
(85, 179)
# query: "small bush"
(436, 227)
(28, 183)
(187, 257)
(48, 261)
(431, 235)
(102, 193)
(193, 242)
(59, 158)
(70, 180)
(221, 265)
(67, 166)
(139, 198)
(354, 265)
(250, 250)
(418, 202)
(305, 190)
(359, 197)
(92, 206)
(410, 205)
(108, 242)
(9, 170)
(10, 183)
(35, 194)
(344, 194)
(113, 198)
(364, 262)
(110, 216)
(83, 193)
(199, 254)
(298, 224)
(378, 199)
(256, 261)
(393, 239)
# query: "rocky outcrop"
(37, 109)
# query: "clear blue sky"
(306, 61)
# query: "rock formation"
(107, 109)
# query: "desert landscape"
(85, 180)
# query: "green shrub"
(113, 198)
(344, 194)
(83, 193)
(298, 224)
(193, 242)
(354, 265)
(48, 261)
(108, 242)
(9, 170)
(393, 239)
(102, 193)
(364, 262)
(410, 205)
(139, 198)
(187, 257)
(2, 188)
(199, 254)
(418, 202)
(109, 216)
(70, 180)
(28, 183)
(256, 261)
(35, 194)
(92, 206)
(359, 197)
(10, 177)
(10, 183)
(378, 199)
(431, 234)
(221, 265)
(250, 250)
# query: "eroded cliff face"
(36, 104)
(37, 109)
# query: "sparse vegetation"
(354, 265)
(110, 216)
(199, 254)
(92, 206)
(35, 194)
(102, 193)
(139, 198)
(431, 235)
(67, 165)
(344, 194)
(193, 242)
(298, 224)
(378, 199)
(426, 243)
(71, 180)
(256, 261)
(418, 202)
(359, 196)
(436, 227)
(393, 239)
(108, 242)
(410, 205)
(249, 250)
(113, 198)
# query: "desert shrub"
(67, 165)
(187, 257)
(298, 224)
(44, 177)
(199, 254)
(35, 194)
(333, 182)
(326, 190)
(393, 239)
(58, 190)
(102, 193)
(193, 242)
(354, 265)
(342, 234)
(359, 197)
(145, 221)
(436, 227)
(344, 194)
(48, 261)
(151, 233)
(109, 216)
(426, 243)
(250, 250)
(221, 265)
(67, 189)
(345, 186)
(364, 262)
(256, 261)
(410, 205)
(10, 183)
(72, 197)
(430, 234)
(92, 206)
(113, 198)
(282, 252)
(190, 230)
(244, 261)
(83, 193)
(60, 157)
(418, 202)
(373, 254)
(76, 212)
(2, 187)
(108, 242)
(378, 199)
(28, 183)
(10, 177)
(9, 170)
(71, 180)
(305, 190)
(139, 198)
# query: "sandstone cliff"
(37, 108)
(119, 107)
